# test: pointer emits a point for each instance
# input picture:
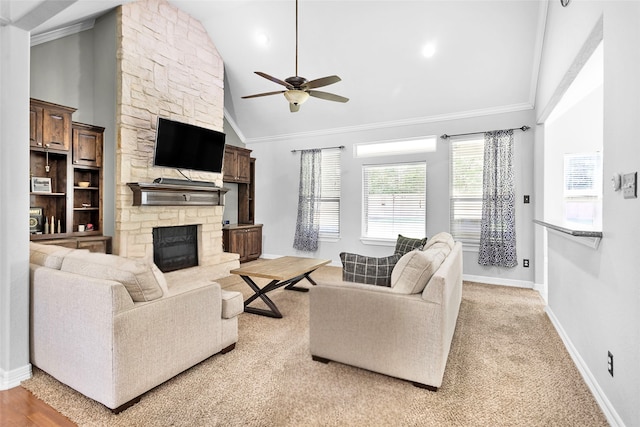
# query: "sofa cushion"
(136, 275)
(414, 270)
(47, 255)
(369, 270)
(407, 244)
(232, 304)
(442, 237)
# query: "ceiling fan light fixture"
(296, 97)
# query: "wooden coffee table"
(286, 271)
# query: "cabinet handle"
(55, 116)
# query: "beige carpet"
(507, 367)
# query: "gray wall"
(594, 297)
(277, 171)
(84, 78)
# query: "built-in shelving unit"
(67, 155)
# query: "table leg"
(261, 293)
(292, 286)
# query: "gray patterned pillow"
(406, 244)
(369, 270)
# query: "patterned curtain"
(498, 226)
(307, 225)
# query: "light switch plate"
(630, 185)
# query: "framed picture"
(40, 185)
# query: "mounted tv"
(184, 146)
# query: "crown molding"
(537, 51)
(396, 123)
(62, 32)
(234, 126)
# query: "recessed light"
(262, 39)
(428, 50)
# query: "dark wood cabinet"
(71, 160)
(245, 240)
(87, 144)
(236, 166)
(50, 126)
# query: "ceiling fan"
(299, 89)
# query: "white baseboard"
(498, 281)
(609, 411)
(11, 379)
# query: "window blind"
(394, 200)
(329, 201)
(466, 164)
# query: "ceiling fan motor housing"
(296, 81)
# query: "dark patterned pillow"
(369, 270)
(407, 244)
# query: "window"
(329, 202)
(394, 200)
(466, 164)
(583, 188)
(390, 148)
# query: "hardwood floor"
(20, 408)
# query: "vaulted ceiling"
(485, 58)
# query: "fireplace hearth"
(175, 248)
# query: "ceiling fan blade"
(328, 96)
(273, 79)
(324, 81)
(264, 94)
(294, 107)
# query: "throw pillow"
(414, 270)
(136, 275)
(442, 237)
(407, 244)
(368, 270)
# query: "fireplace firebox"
(176, 247)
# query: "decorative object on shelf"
(565, 3)
(89, 227)
(40, 184)
(86, 205)
(81, 227)
(36, 220)
(83, 184)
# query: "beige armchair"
(404, 330)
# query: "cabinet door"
(230, 166)
(237, 243)
(243, 161)
(87, 146)
(56, 129)
(253, 243)
(35, 128)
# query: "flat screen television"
(184, 146)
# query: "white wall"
(594, 297)
(277, 172)
(14, 207)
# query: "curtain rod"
(445, 136)
(325, 148)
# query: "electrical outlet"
(610, 363)
(525, 263)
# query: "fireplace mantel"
(158, 194)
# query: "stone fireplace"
(169, 67)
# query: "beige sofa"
(112, 328)
(403, 331)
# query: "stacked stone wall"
(167, 67)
